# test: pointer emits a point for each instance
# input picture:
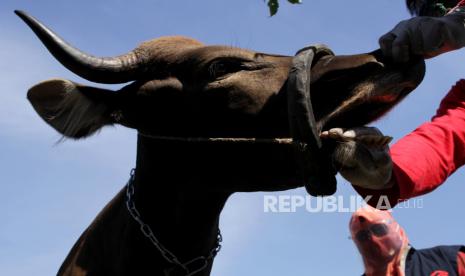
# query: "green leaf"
(273, 5)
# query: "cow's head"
(183, 88)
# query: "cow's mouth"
(351, 91)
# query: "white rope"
(285, 141)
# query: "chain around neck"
(189, 266)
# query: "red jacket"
(425, 158)
(460, 3)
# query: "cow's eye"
(223, 67)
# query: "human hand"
(424, 36)
(362, 156)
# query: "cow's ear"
(74, 110)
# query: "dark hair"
(429, 7)
(412, 6)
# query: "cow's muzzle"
(326, 91)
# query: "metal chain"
(147, 231)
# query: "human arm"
(425, 158)
(427, 35)
(461, 262)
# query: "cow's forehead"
(209, 53)
(205, 54)
(182, 50)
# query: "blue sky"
(51, 192)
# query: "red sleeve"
(461, 263)
(426, 157)
(459, 4)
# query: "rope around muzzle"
(314, 163)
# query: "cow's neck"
(182, 209)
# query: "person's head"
(379, 238)
(430, 7)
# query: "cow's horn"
(118, 69)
